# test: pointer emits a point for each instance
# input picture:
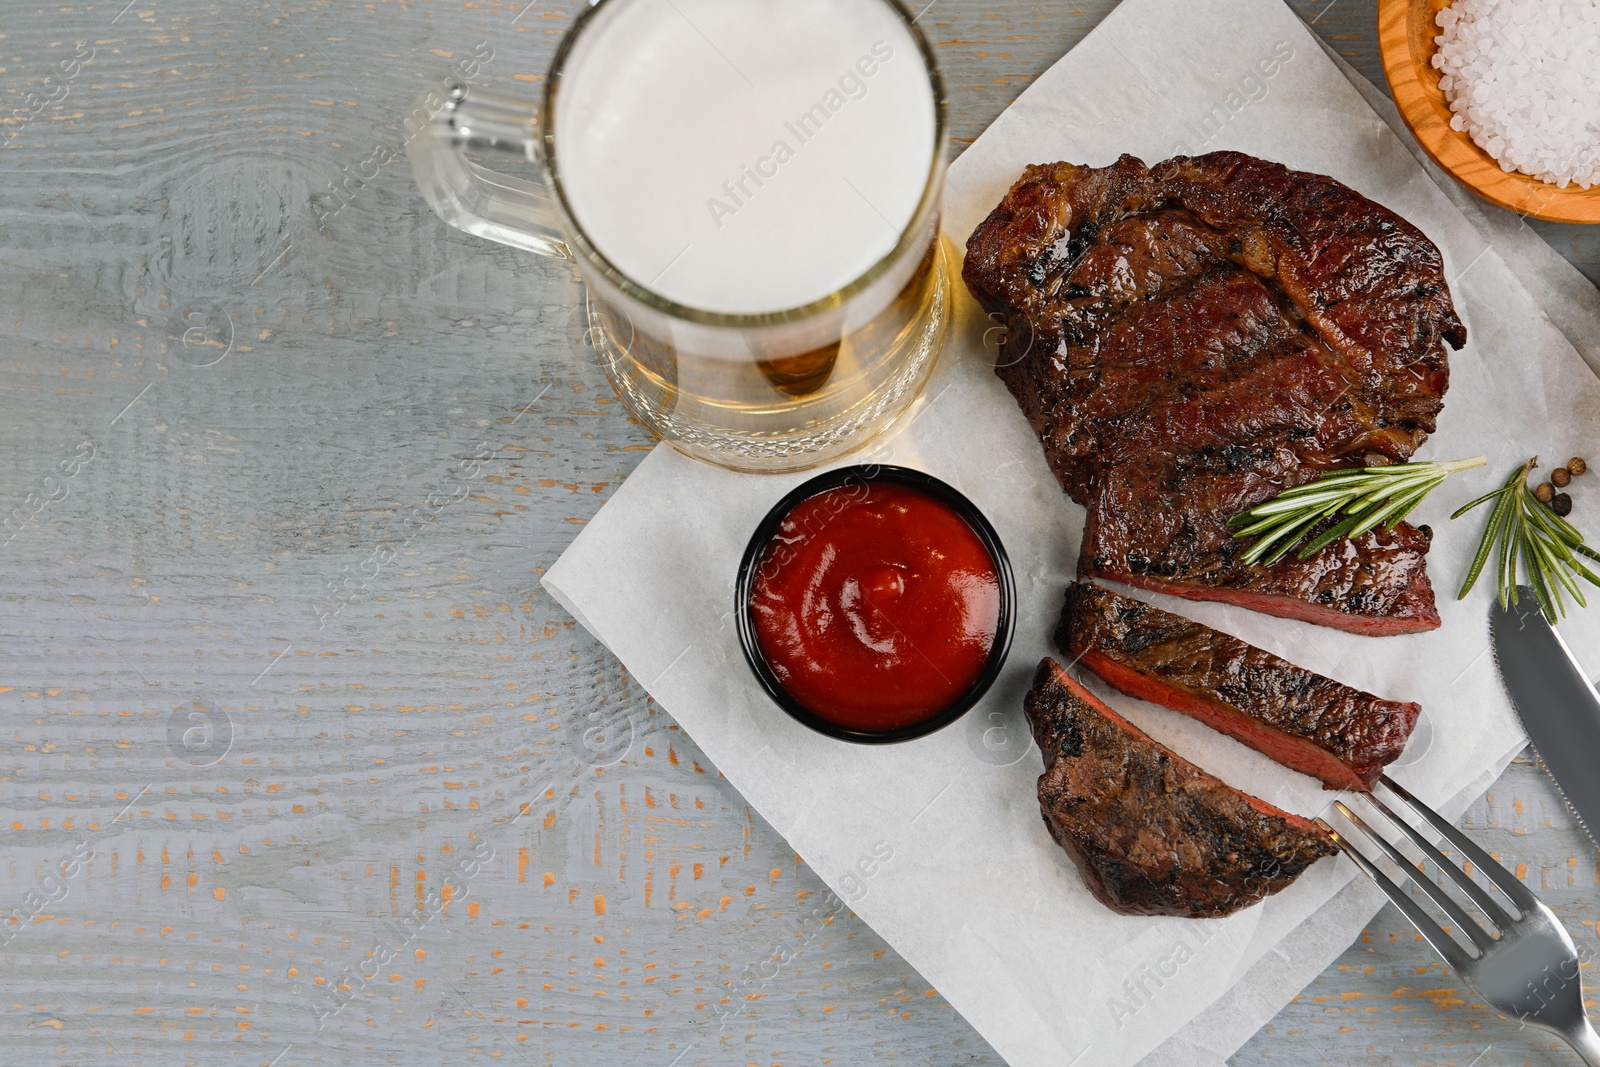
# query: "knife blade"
(1558, 707)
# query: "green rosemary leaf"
(1536, 579)
(1405, 512)
(1546, 519)
(1363, 496)
(1497, 518)
(1272, 522)
(1585, 573)
(1329, 536)
(1284, 504)
(1507, 569)
(1563, 529)
(1564, 550)
(1403, 501)
(1552, 566)
(1464, 508)
(1284, 537)
(1526, 536)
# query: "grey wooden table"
(282, 458)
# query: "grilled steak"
(1304, 721)
(1190, 339)
(1151, 833)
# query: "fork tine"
(1503, 880)
(1480, 897)
(1457, 914)
(1441, 941)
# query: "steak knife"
(1558, 707)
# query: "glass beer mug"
(751, 190)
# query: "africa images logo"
(852, 85)
(1249, 88)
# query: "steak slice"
(1159, 522)
(1151, 833)
(1189, 339)
(1306, 722)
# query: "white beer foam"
(745, 156)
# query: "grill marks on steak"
(1189, 339)
(1158, 521)
(1371, 283)
(1303, 720)
(1197, 343)
(1151, 833)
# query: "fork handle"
(1585, 1042)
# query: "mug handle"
(474, 198)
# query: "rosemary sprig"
(1523, 533)
(1366, 496)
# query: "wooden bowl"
(1406, 30)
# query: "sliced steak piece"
(1190, 339)
(1151, 833)
(1159, 522)
(1158, 517)
(1306, 722)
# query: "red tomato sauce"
(875, 605)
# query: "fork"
(1528, 972)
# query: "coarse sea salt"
(1523, 79)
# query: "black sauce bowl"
(839, 478)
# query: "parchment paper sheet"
(1573, 305)
(976, 896)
